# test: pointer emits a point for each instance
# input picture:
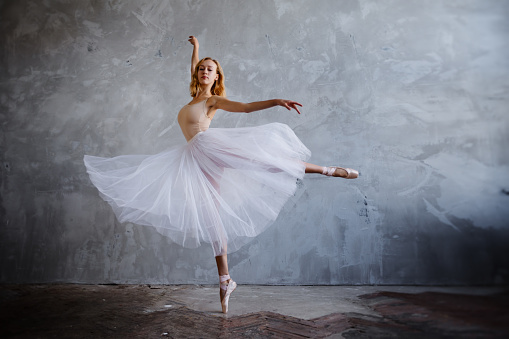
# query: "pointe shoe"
(228, 287)
(333, 172)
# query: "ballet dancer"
(223, 187)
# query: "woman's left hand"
(289, 104)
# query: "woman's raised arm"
(233, 106)
(195, 57)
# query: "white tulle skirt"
(224, 187)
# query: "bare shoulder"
(216, 100)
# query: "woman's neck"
(205, 90)
(204, 93)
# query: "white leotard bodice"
(193, 119)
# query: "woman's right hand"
(193, 40)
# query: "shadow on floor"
(144, 311)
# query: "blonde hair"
(217, 87)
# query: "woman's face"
(207, 72)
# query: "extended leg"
(312, 168)
(346, 173)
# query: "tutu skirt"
(224, 187)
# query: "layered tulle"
(223, 187)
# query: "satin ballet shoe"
(228, 287)
(333, 172)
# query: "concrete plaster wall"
(411, 93)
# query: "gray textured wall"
(412, 93)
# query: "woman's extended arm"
(233, 106)
(195, 57)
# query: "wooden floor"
(142, 311)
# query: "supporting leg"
(222, 264)
(222, 269)
(226, 284)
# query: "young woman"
(224, 187)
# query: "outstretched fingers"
(289, 104)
